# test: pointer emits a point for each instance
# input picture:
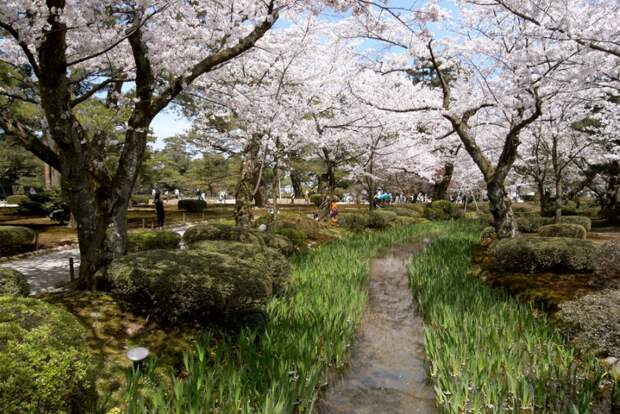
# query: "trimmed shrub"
(308, 226)
(530, 223)
(139, 241)
(574, 231)
(354, 222)
(13, 283)
(16, 239)
(316, 199)
(380, 219)
(583, 221)
(296, 236)
(192, 205)
(270, 260)
(406, 212)
(140, 199)
(542, 254)
(445, 206)
(278, 242)
(44, 362)
(488, 236)
(606, 258)
(436, 214)
(16, 199)
(220, 232)
(406, 221)
(189, 286)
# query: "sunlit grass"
(489, 353)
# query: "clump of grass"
(307, 334)
(489, 353)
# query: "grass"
(488, 352)
(281, 368)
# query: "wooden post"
(36, 241)
(143, 223)
(71, 269)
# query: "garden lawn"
(488, 352)
(306, 337)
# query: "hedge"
(142, 240)
(13, 283)
(580, 220)
(16, 239)
(606, 258)
(277, 242)
(441, 210)
(189, 286)
(270, 260)
(296, 236)
(308, 226)
(44, 362)
(220, 232)
(530, 223)
(354, 222)
(140, 199)
(406, 212)
(16, 199)
(192, 205)
(574, 231)
(380, 219)
(542, 254)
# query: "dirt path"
(46, 271)
(387, 373)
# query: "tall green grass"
(308, 333)
(488, 353)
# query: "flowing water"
(387, 374)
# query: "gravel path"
(45, 272)
(387, 374)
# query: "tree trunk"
(558, 199)
(500, 206)
(440, 189)
(275, 184)
(244, 193)
(296, 178)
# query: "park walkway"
(387, 372)
(45, 272)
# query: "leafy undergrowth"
(307, 335)
(488, 352)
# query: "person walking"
(159, 209)
(333, 212)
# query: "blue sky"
(168, 122)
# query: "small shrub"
(446, 206)
(189, 286)
(44, 362)
(433, 214)
(354, 222)
(278, 242)
(140, 199)
(16, 239)
(16, 199)
(296, 236)
(192, 205)
(220, 232)
(316, 199)
(380, 219)
(530, 223)
(308, 226)
(42, 203)
(574, 231)
(406, 212)
(142, 240)
(542, 254)
(272, 261)
(580, 220)
(13, 283)
(606, 258)
(406, 221)
(488, 236)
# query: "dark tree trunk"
(296, 181)
(244, 194)
(440, 189)
(500, 206)
(558, 200)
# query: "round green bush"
(44, 363)
(542, 254)
(16, 239)
(188, 286)
(530, 223)
(220, 232)
(433, 214)
(16, 199)
(380, 219)
(277, 242)
(562, 230)
(139, 241)
(316, 199)
(354, 222)
(140, 199)
(606, 258)
(192, 205)
(406, 212)
(406, 221)
(583, 221)
(309, 227)
(13, 283)
(268, 259)
(296, 236)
